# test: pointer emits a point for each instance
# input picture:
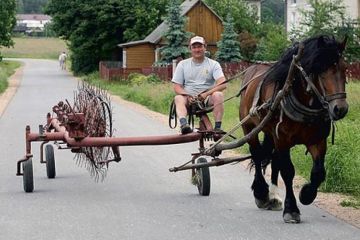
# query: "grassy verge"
(342, 160)
(43, 48)
(7, 68)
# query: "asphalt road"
(140, 198)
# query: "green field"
(7, 68)
(43, 48)
(342, 160)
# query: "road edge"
(14, 83)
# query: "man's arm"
(179, 89)
(219, 87)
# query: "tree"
(176, 35)
(7, 22)
(272, 11)
(93, 28)
(244, 18)
(322, 17)
(31, 6)
(328, 17)
(351, 29)
(228, 46)
(273, 44)
(143, 17)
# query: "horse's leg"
(259, 186)
(309, 191)
(291, 212)
(275, 202)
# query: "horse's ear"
(342, 44)
(321, 41)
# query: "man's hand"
(202, 96)
(191, 99)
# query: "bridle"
(322, 97)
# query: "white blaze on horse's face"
(332, 85)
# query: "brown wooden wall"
(203, 22)
(140, 56)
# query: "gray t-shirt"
(197, 77)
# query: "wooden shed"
(201, 20)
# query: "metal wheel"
(50, 161)
(28, 180)
(203, 178)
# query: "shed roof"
(37, 17)
(156, 35)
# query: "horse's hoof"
(307, 194)
(262, 204)
(275, 205)
(293, 217)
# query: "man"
(194, 75)
(62, 60)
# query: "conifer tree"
(228, 46)
(176, 35)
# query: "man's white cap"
(197, 39)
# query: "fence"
(353, 71)
(114, 70)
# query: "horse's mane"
(320, 53)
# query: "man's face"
(197, 50)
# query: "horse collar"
(298, 112)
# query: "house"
(202, 20)
(255, 5)
(293, 14)
(28, 23)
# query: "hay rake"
(86, 129)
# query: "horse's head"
(326, 66)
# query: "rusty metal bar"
(63, 135)
(214, 162)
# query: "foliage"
(245, 19)
(176, 35)
(322, 17)
(273, 44)
(328, 17)
(142, 17)
(139, 79)
(248, 44)
(272, 11)
(228, 46)
(93, 28)
(7, 22)
(7, 68)
(31, 6)
(351, 29)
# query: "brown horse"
(317, 98)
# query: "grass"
(42, 48)
(342, 159)
(7, 68)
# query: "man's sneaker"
(185, 129)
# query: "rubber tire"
(28, 179)
(204, 178)
(50, 161)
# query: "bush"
(139, 79)
(273, 44)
